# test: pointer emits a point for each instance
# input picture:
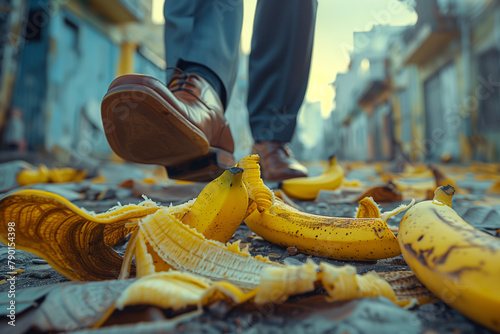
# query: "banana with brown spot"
(364, 238)
(457, 262)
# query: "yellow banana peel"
(257, 190)
(457, 262)
(178, 266)
(178, 290)
(74, 242)
(186, 249)
(78, 244)
(307, 188)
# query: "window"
(72, 29)
(37, 20)
(488, 90)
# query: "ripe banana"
(220, 207)
(457, 262)
(32, 176)
(307, 188)
(364, 238)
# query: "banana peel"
(178, 290)
(74, 242)
(258, 192)
(185, 249)
(177, 265)
(78, 244)
(158, 233)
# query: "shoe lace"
(181, 81)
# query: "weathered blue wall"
(62, 80)
(82, 63)
(31, 83)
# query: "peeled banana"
(183, 248)
(457, 262)
(220, 207)
(307, 188)
(258, 192)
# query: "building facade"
(72, 51)
(432, 92)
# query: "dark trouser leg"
(206, 33)
(279, 66)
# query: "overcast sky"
(335, 24)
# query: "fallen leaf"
(99, 179)
(68, 306)
(494, 189)
(441, 179)
(385, 193)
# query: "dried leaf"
(385, 193)
(494, 189)
(66, 307)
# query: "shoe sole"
(142, 127)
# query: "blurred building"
(308, 142)
(363, 97)
(425, 92)
(72, 50)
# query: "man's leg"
(279, 67)
(205, 33)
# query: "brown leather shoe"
(277, 161)
(181, 127)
